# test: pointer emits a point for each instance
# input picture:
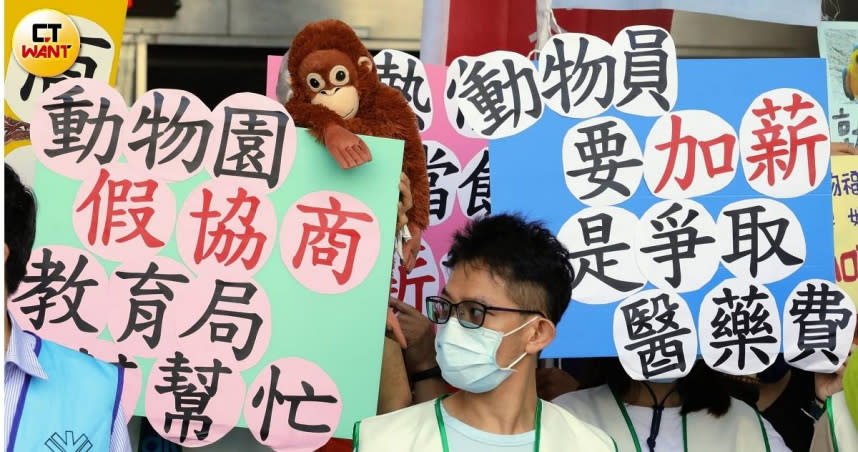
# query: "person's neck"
(638, 395)
(509, 409)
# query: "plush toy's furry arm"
(391, 116)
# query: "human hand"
(419, 334)
(411, 249)
(405, 201)
(843, 149)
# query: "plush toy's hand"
(411, 249)
(347, 148)
(405, 201)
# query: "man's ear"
(541, 335)
(5, 252)
(365, 63)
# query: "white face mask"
(468, 357)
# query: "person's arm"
(420, 353)
(119, 440)
(394, 392)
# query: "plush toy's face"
(331, 78)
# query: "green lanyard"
(631, 427)
(446, 447)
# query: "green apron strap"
(629, 424)
(763, 431)
(440, 418)
(830, 411)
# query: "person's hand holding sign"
(843, 149)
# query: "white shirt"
(669, 437)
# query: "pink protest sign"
(193, 401)
(76, 126)
(228, 318)
(146, 295)
(115, 213)
(324, 235)
(257, 144)
(226, 229)
(63, 297)
(271, 76)
(167, 132)
(293, 405)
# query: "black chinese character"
(225, 331)
(741, 323)
(190, 401)
(408, 84)
(186, 130)
(603, 151)
(843, 125)
(69, 118)
(597, 229)
(251, 133)
(490, 94)
(835, 185)
(480, 199)
(586, 71)
(274, 395)
(141, 308)
(680, 243)
(849, 182)
(818, 315)
(774, 231)
(437, 168)
(646, 66)
(651, 327)
(49, 273)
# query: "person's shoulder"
(376, 433)
(71, 355)
(403, 415)
(574, 399)
(583, 432)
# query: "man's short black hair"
(527, 256)
(20, 228)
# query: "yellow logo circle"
(46, 43)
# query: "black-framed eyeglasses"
(471, 314)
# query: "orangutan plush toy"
(336, 94)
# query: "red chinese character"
(847, 269)
(232, 243)
(325, 253)
(773, 147)
(727, 141)
(118, 193)
(417, 282)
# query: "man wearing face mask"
(509, 286)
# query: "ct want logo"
(46, 43)
(68, 443)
